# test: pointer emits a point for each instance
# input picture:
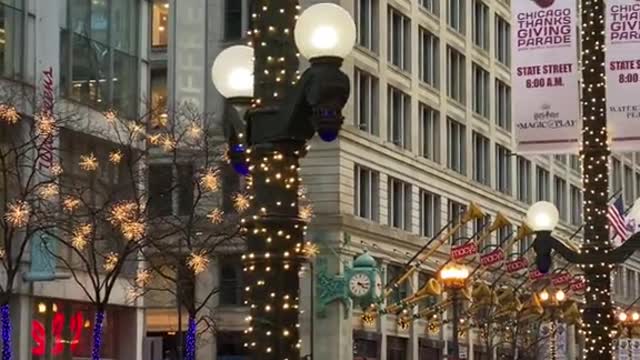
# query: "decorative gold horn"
(481, 294)
(499, 222)
(431, 288)
(533, 309)
(473, 213)
(523, 231)
(572, 314)
(466, 293)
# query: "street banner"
(535, 275)
(464, 251)
(545, 76)
(517, 265)
(561, 279)
(635, 349)
(623, 74)
(578, 285)
(492, 258)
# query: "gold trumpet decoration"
(508, 303)
(533, 309)
(431, 288)
(572, 314)
(482, 295)
(474, 212)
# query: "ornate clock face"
(359, 284)
(378, 288)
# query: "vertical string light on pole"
(598, 312)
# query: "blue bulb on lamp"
(328, 135)
(241, 168)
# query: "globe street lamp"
(277, 112)
(454, 278)
(552, 303)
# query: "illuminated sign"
(39, 334)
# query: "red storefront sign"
(492, 258)
(517, 265)
(464, 251)
(39, 334)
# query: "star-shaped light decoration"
(133, 294)
(70, 203)
(115, 157)
(167, 143)
(48, 191)
(241, 202)
(56, 170)
(198, 262)
(133, 230)
(17, 214)
(154, 139)
(9, 114)
(45, 124)
(209, 180)
(306, 213)
(110, 262)
(88, 162)
(310, 249)
(194, 132)
(143, 277)
(135, 129)
(216, 216)
(123, 212)
(80, 236)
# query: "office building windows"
(160, 23)
(401, 291)
(429, 58)
(429, 213)
(455, 211)
(480, 91)
(503, 105)
(366, 99)
(616, 175)
(576, 205)
(399, 37)
(480, 21)
(170, 189)
(399, 114)
(432, 6)
(429, 133)
(560, 196)
(503, 169)
(397, 348)
(628, 185)
(399, 204)
(456, 15)
(367, 185)
(231, 288)
(524, 180)
(481, 159)
(574, 162)
(456, 146)
(543, 186)
(236, 18)
(366, 12)
(503, 41)
(456, 75)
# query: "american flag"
(617, 220)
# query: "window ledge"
(368, 52)
(431, 15)
(431, 88)
(398, 70)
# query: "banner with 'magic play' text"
(545, 76)
(623, 74)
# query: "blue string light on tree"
(6, 332)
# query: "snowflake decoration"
(133, 230)
(216, 216)
(45, 125)
(135, 129)
(70, 203)
(88, 162)
(123, 212)
(56, 170)
(79, 237)
(9, 114)
(306, 213)
(194, 132)
(167, 143)
(115, 157)
(48, 191)
(142, 278)
(198, 262)
(110, 262)
(18, 214)
(311, 249)
(241, 202)
(154, 139)
(210, 181)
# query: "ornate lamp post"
(454, 278)
(283, 111)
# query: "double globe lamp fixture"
(325, 34)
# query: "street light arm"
(624, 251)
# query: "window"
(628, 185)
(366, 98)
(11, 41)
(366, 345)
(455, 212)
(503, 105)
(576, 205)
(230, 345)
(399, 118)
(231, 185)
(366, 193)
(432, 6)
(480, 91)
(160, 25)
(159, 98)
(401, 291)
(399, 46)
(481, 159)
(429, 349)
(236, 19)
(631, 283)
(99, 54)
(429, 133)
(367, 21)
(543, 187)
(231, 287)
(574, 162)
(616, 176)
(560, 196)
(503, 41)
(480, 224)
(503, 169)
(480, 20)
(503, 234)
(429, 213)
(456, 15)
(456, 147)
(456, 75)
(562, 159)
(524, 180)
(170, 189)
(399, 204)
(429, 58)
(396, 348)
